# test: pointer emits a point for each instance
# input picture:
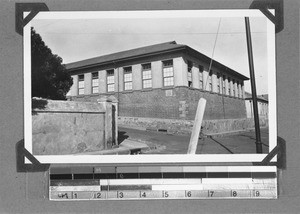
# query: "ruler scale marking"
(187, 182)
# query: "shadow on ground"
(221, 145)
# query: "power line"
(173, 33)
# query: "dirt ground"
(165, 143)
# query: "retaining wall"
(185, 126)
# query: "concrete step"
(127, 147)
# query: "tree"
(50, 78)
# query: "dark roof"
(263, 98)
(144, 52)
(123, 55)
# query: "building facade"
(161, 81)
(262, 105)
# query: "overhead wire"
(160, 33)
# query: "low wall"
(185, 126)
(67, 127)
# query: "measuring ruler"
(169, 182)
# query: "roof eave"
(220, 65)
(126, 59)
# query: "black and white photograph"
(150, 83)
(149, 106)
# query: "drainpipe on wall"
(115, 110)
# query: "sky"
(221, 38)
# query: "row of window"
(168, 75)
(221, 82)
(168, 79)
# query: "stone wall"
(185, 126)
(67, 127)
(174, 103)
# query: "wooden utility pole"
(197, 126)
(253, 87)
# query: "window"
(168, 73)
(189, 73)
(238, 89)
(210, 81)
(242, 94)
(219, 83)
(80, 84)
(95, 82)
(223, 84)
(233, 87)
(229, 86)
(110, 80)
(128, 78)
(201, 76)
(147, 75)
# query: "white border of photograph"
(168, 159)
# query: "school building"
(160, 81)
